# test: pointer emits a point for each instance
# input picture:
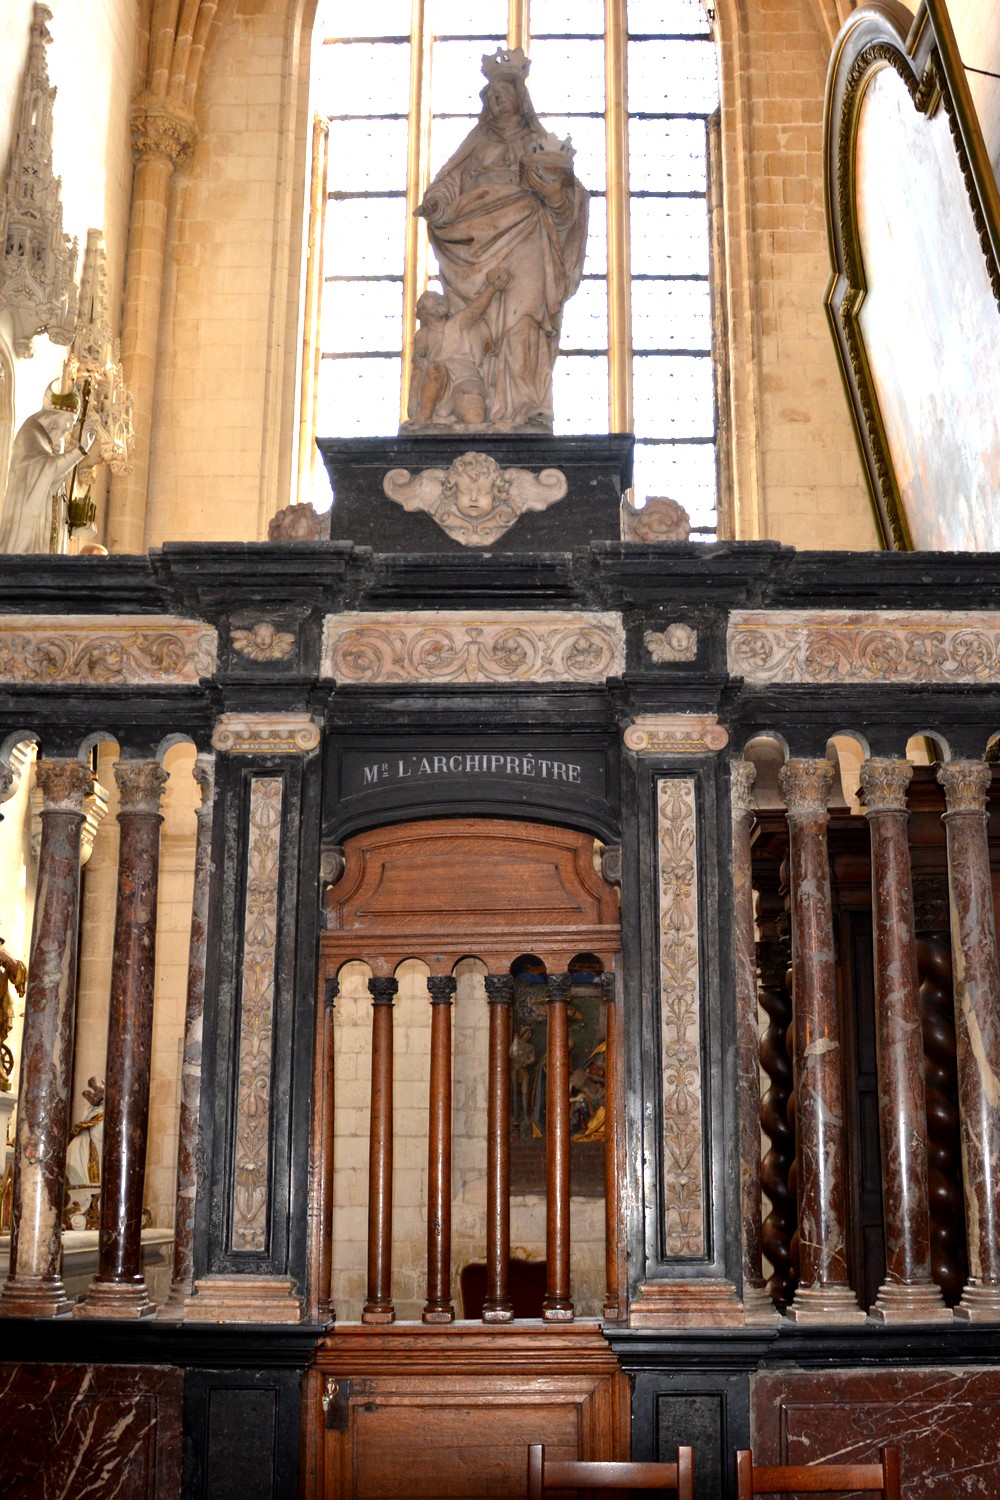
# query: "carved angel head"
(474, 485)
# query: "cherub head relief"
(474, 500)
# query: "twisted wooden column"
(557, 1305)
(378, 1306)
(908, 1294)
(824, 1294)
(779, 1226)
(34, 1286)
(439, 1307)
(182, 1280)
(119, 1289)
(498, 1307)
(977, 1024)
(757, 1304)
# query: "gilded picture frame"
(914, 299)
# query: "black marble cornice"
(475, 580)
(187, 1345)
(885, 580)
(510, 708)
(210, 579)
(735, 575)
(52, 585)
(870, 1345)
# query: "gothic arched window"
(635, 83)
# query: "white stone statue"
(507, 202)
(44, 451)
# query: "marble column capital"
(441, 988)
(966, 783)
(499, 989)
(806, 786)
(203, 772)
(161, 130)
(383, 989)
(331, 991)
(140, 785)
(608, 988)
(884, 784)
(744, 774)
(559, 987)
(63, 784)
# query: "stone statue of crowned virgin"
(507, 220)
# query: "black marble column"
(34, 1286)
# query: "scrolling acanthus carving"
(136, 650)
(475, 501)
(883, 646)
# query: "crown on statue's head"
(506, 63)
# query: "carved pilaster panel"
(253, 1099)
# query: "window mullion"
(417, 178)
(619, 271)
(518, 24)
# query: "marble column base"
(34, 1297)
(759, 1310)
(979, 1304)
(174, 1310)
(825, 1305)
(116, 1299)
(243, 1299)
(898, 1303)
(708, 1303)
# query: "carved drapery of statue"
(507, 220)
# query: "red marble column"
(908, 1294)
(497, 1307)
(182, 1281)
(119, 1289)
(378, 1306)
(824, 1294)
(439, 1307)
(613, 1229)
(557, 1305)
(758, 1307)
(34, 1286)
(977, 1026)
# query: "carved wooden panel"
(451, 887)
(430, 1414)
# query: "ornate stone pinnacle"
(743, 774)
(159, 130)
(966, 783)
(63, 784)
(805, 786)
(141, 784)
(884, 784)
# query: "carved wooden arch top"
(449, 888)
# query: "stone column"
(378, 1306)
(497, 1307)
(757, 1305)
(34, 1287)
(162, 139)
(182, 1281)
(119, 1289)
(908, 1294)
(439, 1307)
(823, 1295)
(977, 1026)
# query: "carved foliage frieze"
(131, 651)
(253, 1099)
(680, 1021)
(782, 646)
(458, 647)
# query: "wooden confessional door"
(438, 1405)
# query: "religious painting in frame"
(914, 300)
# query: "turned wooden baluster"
(439, 1307)
(378, 1306)
(612, 1208)
(497, 1307)
(557, 1306)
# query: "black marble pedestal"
(597, 470)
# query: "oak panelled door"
(466, 1098)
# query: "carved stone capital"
(884, 784)
(677, 642)
(743, 774)
(559, 986)
(499, 988)
(140, 784)
(441, 988)
(331, 991)
(265, 734)
(966, 783)
(608, 988)
(383, 989)
(203, 772)
(63, 784)
(675, 734)
(162, 130)
(806, 786)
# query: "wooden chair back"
(545, 1474)
(817, 1479)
